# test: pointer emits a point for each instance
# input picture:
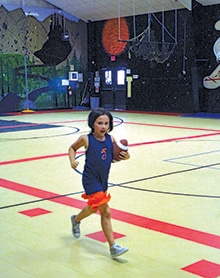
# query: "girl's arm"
(82, 141)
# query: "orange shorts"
(97, 199)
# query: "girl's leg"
(115, 249)
(85, 212)
(105, 213)
(75, 220)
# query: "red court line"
(130, 145)
(40, 193)
(28, 159)
(173, 126)
(169, 229)
(175, 139)
(31, 159)
(196, 236)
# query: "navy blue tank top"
(97, 165)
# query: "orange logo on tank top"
(104, 154)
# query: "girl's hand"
(74, 164)
(124, 155)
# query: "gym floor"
(165, 199)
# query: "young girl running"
(99, 154)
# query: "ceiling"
(90, 10)
(96, 10)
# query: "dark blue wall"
(175, 85)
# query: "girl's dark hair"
(99, 112)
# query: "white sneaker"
(116, 250)
(75, 227)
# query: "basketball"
(122, 145)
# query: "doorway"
(113, 86)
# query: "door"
(113, 86)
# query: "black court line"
(39, 137)
(41, 200)
(169, 174)
(177, 160)
(171, 193)
(123, 185)
(40, 126)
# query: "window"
(108, 77)
(73, 76)
(120, 77)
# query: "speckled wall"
(175, 85)
(205, 61)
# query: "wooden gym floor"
(165, 200)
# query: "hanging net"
(156, 42)
(150, 49)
